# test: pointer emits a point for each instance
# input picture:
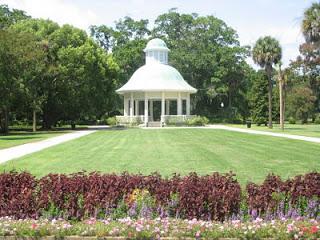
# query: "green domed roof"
(156, 74)
(156, 77)
(156, 44)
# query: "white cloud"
(56, 10)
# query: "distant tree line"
(51, 73)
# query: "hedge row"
(214, 197)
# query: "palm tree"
(265, 53)
(310, 26)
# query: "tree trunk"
(268, 69)
(46, 124)
(281, 100)
(230, 100)
(34, 120)
(4, 121)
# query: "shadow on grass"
(18, 138)
(27, 133)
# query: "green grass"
(15, 138)
(309, 130)
(23, 134)
(167, 151)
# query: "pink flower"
(296, 236)
(157, 236)
(198, 233)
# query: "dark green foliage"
(301, 103)
(9, 17)
(259, 99)
(73, 68)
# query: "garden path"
(296, 137)
(19, 151)
(24, 149)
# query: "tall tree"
(126, 41)
(307, 69)
(259, 98)
(18, 52)
(310, 26)
(9, 17)
(40, 88)
(207, 53)
(265, 53)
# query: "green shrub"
(292, 121)
(112, 121)
(317, 121)
(197, 121)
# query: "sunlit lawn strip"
(309, 130)
(15, 138)
(168, 151)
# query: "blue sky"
(250, 18)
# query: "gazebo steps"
(154, 124)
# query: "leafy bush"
(216, 197)
(18, 195)
(317, 121)
(112, 121)
(197, 121)
(276, 199)
(292, 121)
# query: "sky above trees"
(250, 18)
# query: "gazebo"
(154, 82)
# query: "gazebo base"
(165, 120)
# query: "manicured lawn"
(15, 138)
(309, 130)
(167, 151)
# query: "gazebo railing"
(166, 119)
(131, 120)
(175, 119)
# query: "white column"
(137, 108)
(131, 107)
(168, 107)
(188, 104)
(179, 105)
(145, 110)
(125, 106)
(162, 106)
(151, 110)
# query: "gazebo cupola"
(155, 83)
(156, 52)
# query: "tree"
(18, 52)
(307, 68)
(126, 41)
(75, 67)
(301, 103)
(207, 53)
(9, 17)
(310, 26)
(265, 53)
(40, 85)
(90, 76)
(280, 82)
(259, 99)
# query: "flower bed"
(161, 228)
(212, 197)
